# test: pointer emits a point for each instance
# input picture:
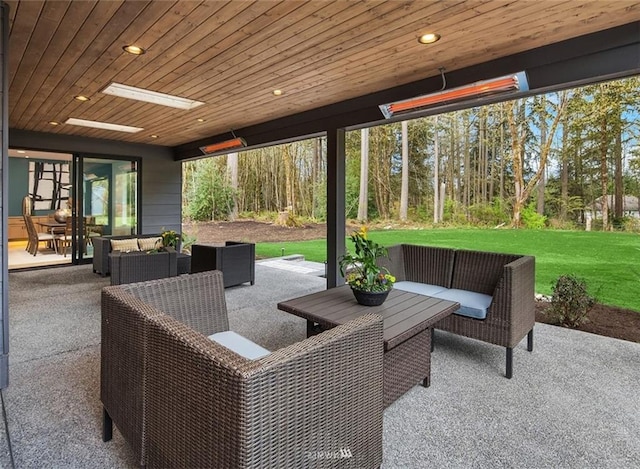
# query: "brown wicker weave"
(192, 299)
(139, 266)
(181, 400)
(236, 260)
(102, 248)
(408, 320)
(509, 278)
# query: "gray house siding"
(161, 198)
(161, 194)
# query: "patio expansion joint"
(61, 352)
(6, 429)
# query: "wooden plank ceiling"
(233, 54)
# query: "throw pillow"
(147, 244)
(125, 245)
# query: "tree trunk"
(483, 155)
(466, 200)
(543, 139)
(232, 172)
(502, 153)
(604, 174)
(364, 175)
(436, 176)
(404, 190)
(564, 175)
(518, 130)
(619, 187)
(315, 166)
(288, 178)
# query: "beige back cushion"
(147, 244)
(125, 245)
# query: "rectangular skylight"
(139, 94)
(103, 125)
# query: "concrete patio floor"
(572, 403)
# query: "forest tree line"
(535, 161)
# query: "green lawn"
(609, 262)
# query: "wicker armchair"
(236, 260)
(510, 280)
(182, 400)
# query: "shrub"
(531, 218)
(570, 302)
(489, 214)
(559, 224)
(630, 224)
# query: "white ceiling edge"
(40, 155)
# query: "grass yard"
(609, 262)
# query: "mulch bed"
(609, 321)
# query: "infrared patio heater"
(509, 84)
(227, 145)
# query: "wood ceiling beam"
(588, 58)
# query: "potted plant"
(370, 283)
(170, 238)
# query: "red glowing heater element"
(507, 84)
(226, 145)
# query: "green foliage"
(361, 270)
(570, 303)
(453, 212)
(531, 218)
(558, 224)
(170, 238)
(187, 242)
(492, 214)
(632, 225)
(210, 197)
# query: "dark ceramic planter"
(366, 298)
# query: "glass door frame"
(77, 193)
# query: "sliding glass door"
(107, 194)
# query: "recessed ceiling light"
(278, 92)
(54, 123)
(429, 38)
(154, 136)
(21, 151)
(139, 94)
(135, 50)
(200, 120)
(103, 125)
(81, 98)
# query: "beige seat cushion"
(125, 245)
(147, 244)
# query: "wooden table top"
(404, 314)
(52, 224)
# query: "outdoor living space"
(571, 403)
(490, 127)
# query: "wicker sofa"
(496, 291)
(138, 266)
(182, 400)
(102, 248)
(236, 260)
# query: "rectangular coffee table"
(408, 320)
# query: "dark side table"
(184, 263)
